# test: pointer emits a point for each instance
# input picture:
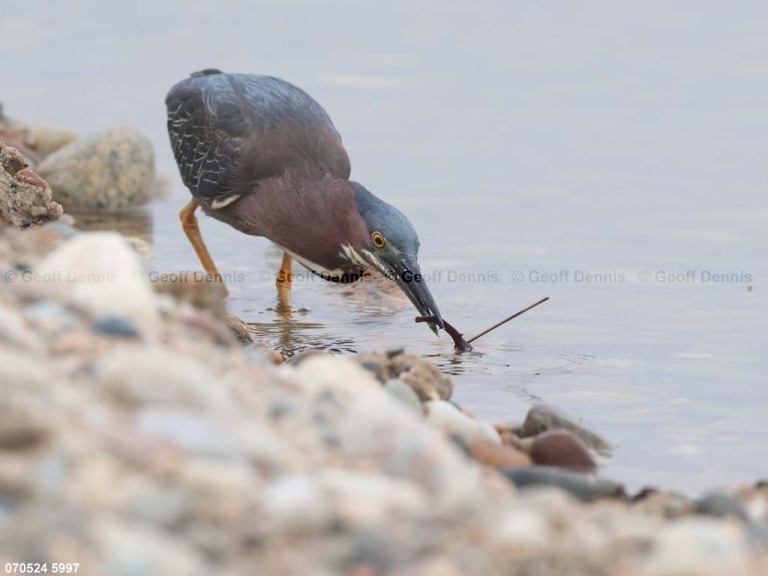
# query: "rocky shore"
(140, 435)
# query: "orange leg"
(192, 230)
(284, 282)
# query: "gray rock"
(542, 417)
(115, 326)
(108, 171)
(404, 393)
(721, 506)
(164, 506)
(581, 486)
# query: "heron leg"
(284, 282)
(192, 230)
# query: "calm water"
(530, 145)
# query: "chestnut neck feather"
(310, 217)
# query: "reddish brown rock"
(564, 449)
(25, 198)
(497, 455)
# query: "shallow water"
(530, 146)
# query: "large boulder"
(108, 171)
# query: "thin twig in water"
(515, 315)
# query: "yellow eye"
(378, 240)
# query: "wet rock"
(400, 390)
(721, 506)
(446, 417)
(542, 417)
(263, 355)
(423, 376)
(115, 326)
(581, 486)
(562, 448)
(108, 171)
(25, 197)
(305, 355)
(497, 455)
(98, 273)
(240, 329)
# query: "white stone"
(698, 545)
(325, 372)
(382, 430)
(523, 528)
(446, 417)
(297, 503)
(99, 273)
(158, 376)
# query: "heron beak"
(408, 277)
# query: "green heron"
(263, 156)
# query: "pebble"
(191, 431)
(108, 171)
(425, 378)
(157, 376)
(446, 417)
(697, 545)
(325, 372)
(497, 455)
(296, 503)
(542, 417)
(99, 273)
(583, 487)
(404, 393)
(115, 326)
(524, 531)
(20, 431)
(721, 506)
(379, 429)
(562, 448)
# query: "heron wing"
(230, 130)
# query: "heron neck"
(309, 217)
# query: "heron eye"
(378, 240)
